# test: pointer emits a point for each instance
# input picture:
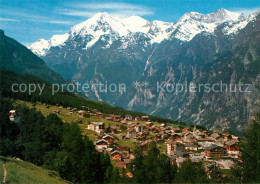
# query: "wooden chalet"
(215, 151)
(116, 155)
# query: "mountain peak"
(101, 15)
(223, 15)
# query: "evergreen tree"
(150, 166)
(248, 170)
(191, 173)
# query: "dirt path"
(4, 174)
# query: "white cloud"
(245, 11)
(118, 9)
(60, 22)
(117, 6)
(78, 13)
(8, 20)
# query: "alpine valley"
(222, 46)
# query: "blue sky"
(29, 20)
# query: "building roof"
(101, 140)
(231, 142)
(123, 148)
(213, 146)
(97, 123)
(116, 151)
(145, 116)
(81, 111)
(106, 136)
(215, 135)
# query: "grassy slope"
(26, 173)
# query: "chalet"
(116, 155)
(102, 144)
(116, 118)
(123, 149)
(112, 129)
(215, 151)
(176, 136)
(131, 133)
(162, 125)
(99, 114)
(232, 148)
(123, 122)
(109, 118)
(93, 114)
(221, 140)
(188, 137)
(199, 156)
(191, 147)
(109, 150)
(186, 129)
(144, 118)
(174, 146)
(13, 116)
(148, 124)
(96, 126)
(198, 135)
(215, 136)
(128, 118)
(234, 137)
(82, 113)
(55, 112)
(137, 118)
(120, 164)
(110, 139)
(139, 128)
(176, 130)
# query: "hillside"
(20, 172)
(83, 122)
(65, 98)
(16, 57)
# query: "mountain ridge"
(156, 30)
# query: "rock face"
(217, 48)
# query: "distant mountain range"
(220, 46)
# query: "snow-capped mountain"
(188, 26)
(196, 49)
(104, 24)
